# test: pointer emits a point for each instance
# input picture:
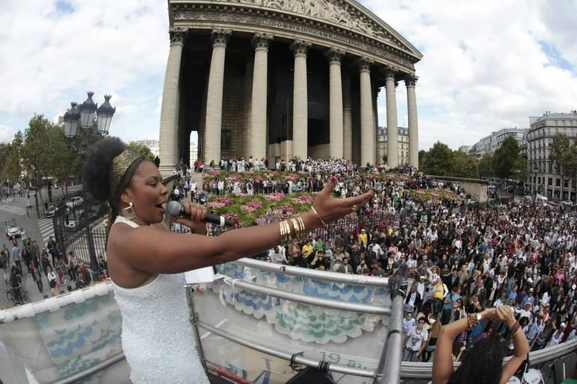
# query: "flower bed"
(247, 209)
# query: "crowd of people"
(45, 263)
(464, 258)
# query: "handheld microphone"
(176, 209)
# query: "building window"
(557, 182)
(549, 181)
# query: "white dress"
(157, 337)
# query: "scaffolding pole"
(390, 362)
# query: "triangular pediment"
(345, 14)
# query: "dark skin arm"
(136, 254)
(443, 362)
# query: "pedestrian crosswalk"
(46, 227)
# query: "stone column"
(410, 83)
(300, 99)
(368, 136)
(347, 120)
(169, 112)
(214, 98)
(392, 125)
(257, 129)
(334, 56)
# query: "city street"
(35, 228)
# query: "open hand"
(330, 208)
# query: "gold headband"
(120, 165)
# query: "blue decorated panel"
(81, 335)
(307, 323)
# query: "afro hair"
(98, 165)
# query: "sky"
(487, 65)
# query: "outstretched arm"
(443, 362)
(145, 249)
(520, 344)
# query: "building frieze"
(337, 12)
(278, 25)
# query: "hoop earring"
(128, 212)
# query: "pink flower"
(303, 199)
(287, 208)
(275, 196)
(251, 206)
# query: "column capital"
(300, 47)
(389, 72)
(411, 81)
(220, 36)
(364, 64)
(334, 55)
(261, 40)
(177, 35)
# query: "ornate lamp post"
(84, 115)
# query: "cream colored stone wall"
(342, 27)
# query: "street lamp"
(83, 115)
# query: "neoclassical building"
(283, 78)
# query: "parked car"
(567, 203)
(74, 222)
(75, 201)
(51, 211)
(12, 228)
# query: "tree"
(422, 155)
(486, 166)
(68, 164)
(564, 155)
(142, 150)
(42, 149)
(438, 161)
(506, 158)
(465, 166)
(12, 169)
(520, 169)
(5, 149)
(559, 148)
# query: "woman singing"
(146, 261)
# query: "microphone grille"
(173, 208)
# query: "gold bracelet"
(288, 231)
(472, 320)
(316, 213)
(302, 226)
(285, 232)
(299, 226)
(298, 229)
(282, 232)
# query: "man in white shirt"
(277, 255)
(415, 341)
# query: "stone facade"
(279, 78)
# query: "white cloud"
(6, 133)
(484, 65)
(50, 58)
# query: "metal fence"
(79, 244)
(74, 238)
